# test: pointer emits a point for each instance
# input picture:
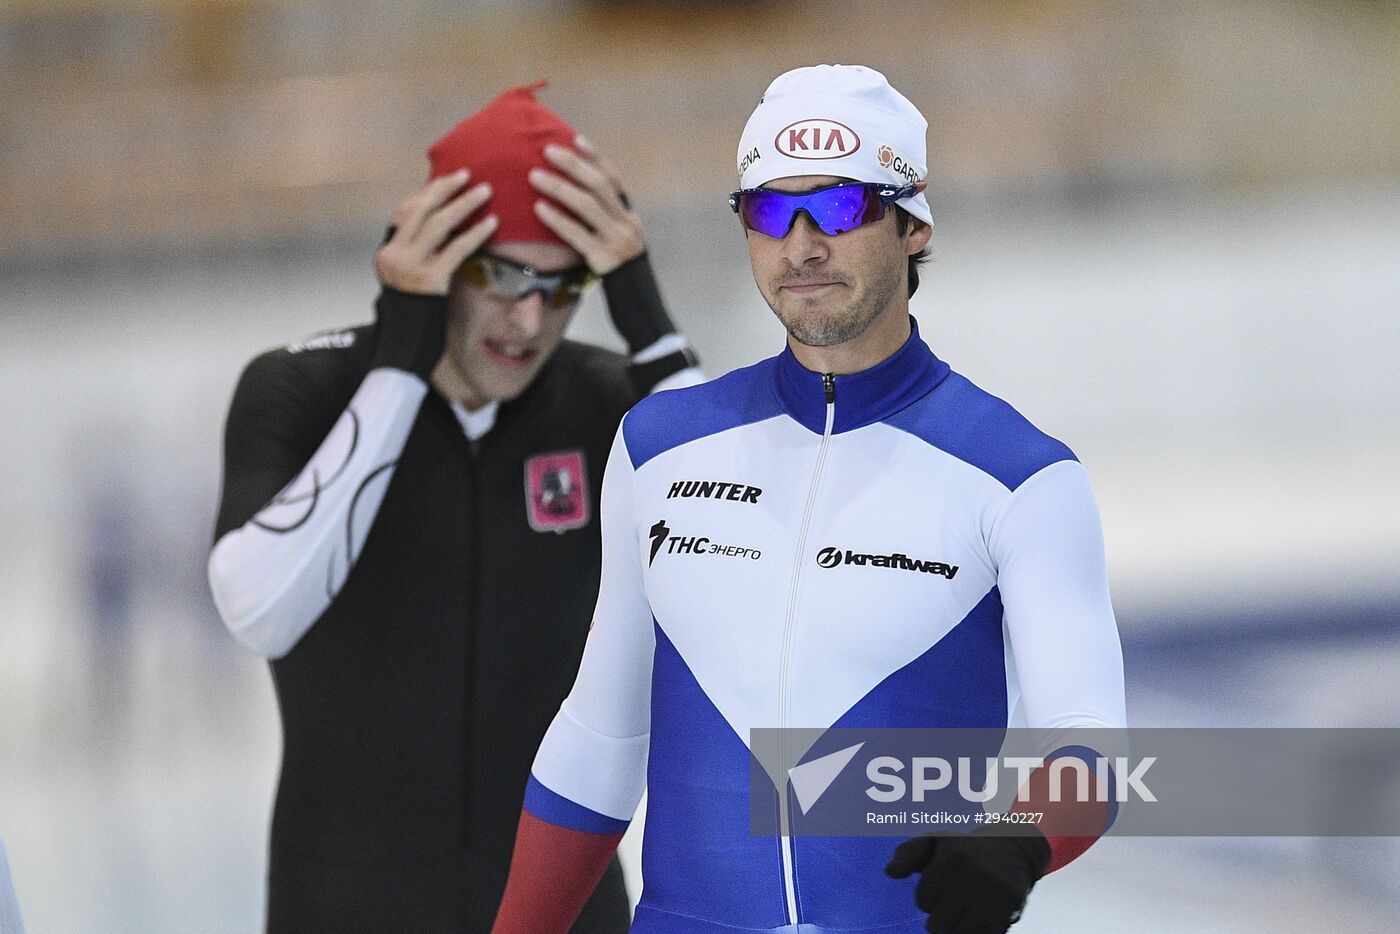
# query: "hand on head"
(546, 183)
(585, 206)
(422, 252)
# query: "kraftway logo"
(831, 557)
(694, 545)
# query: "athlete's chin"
(813, 325)
(491, 383)
(506, 388)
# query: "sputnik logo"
(810, 780)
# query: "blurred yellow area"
(151, 123)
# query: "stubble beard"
(815, 329)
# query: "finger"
(582, 167)
(413, 210)
(949, 904)
(938, 896)
(950, 920)
(584, 204)
(910, 856)
(467, 242)
(604, 164)
(440, 224)
(570, 231)
(987, 919)
(614, 180)
(585, 146)
(967, 924)
(584, 172)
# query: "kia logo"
(829, 557)
(816, 139)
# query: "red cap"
(500, 144)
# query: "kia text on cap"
(841, 120)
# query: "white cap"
(842, 120)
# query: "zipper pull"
(829, 387)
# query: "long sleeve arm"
(276, 572)
(591, 766)
(660, 356)
(1048, 546)
(298, 500)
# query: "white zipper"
(785, 839)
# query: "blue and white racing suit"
(892, 548)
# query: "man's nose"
(805, 243)
(527, 315)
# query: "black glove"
(973, 883)
(410, 331)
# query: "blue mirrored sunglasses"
(835, 209)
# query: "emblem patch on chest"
(556, 491)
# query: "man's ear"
(917, 236)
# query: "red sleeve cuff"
(552, 873)
(1070, 825)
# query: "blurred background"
(1168, 232)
